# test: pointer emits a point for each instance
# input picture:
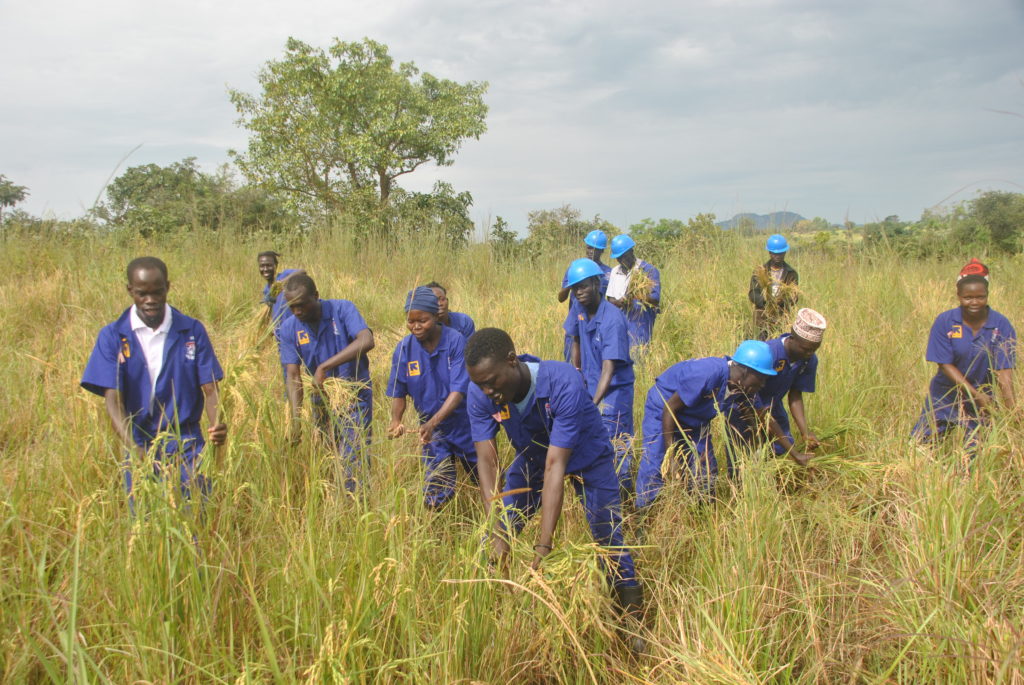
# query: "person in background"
(428, 366)
(600, 350)
(556, 431)
(773, 288)
(157, 373)
(457, 320)
(329, 339)
(681, 405)
(639, 292)
(975, 349)
(273, 294)
(595, 244)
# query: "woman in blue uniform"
(974, 347)
(429, 367)
(600, 349)
(462, 323)
(595, 243)
(329, 339)
(640, 312)
(683, 402)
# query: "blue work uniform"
(574, 307)
(791, 375)
(428, 378)
(463, 323)
(977, 356)
(279, 311)
(641, 316)
(702, 385)
(558, 412)
(309, 345)
(118, 362)
(604, 336)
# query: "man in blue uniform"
(640, 305)
(329, 339)
(462, 323)
(595, 243)
(273, 295)
(600, 349)
(795, 360)
(683, 402)
(156, 370)
(429, 367)
(554, 426)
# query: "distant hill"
(763, 222)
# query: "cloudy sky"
(846, 110)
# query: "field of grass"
(880, 562)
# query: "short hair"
(972, 278)
(435, 284)
(487, 343)
(300, 281)
(140, 263)
(268, 253)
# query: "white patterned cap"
(809, 325)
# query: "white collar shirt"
(152, 342)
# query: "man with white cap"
(795, 362)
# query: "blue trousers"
(617, 414)
(597, 487)
(349, 435)
(177, 454)
(440, 456)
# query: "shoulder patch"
(413, 368)
(303, 336)
(780, 365)
(956, 331)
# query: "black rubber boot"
(629, 605)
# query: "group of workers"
(156, 369)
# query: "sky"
(845, 110)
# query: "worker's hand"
(396, 429)
(811, 441)
(801, 458)
(539, 552)
(427, 431)
(319, 376)
(218, 433)
(294, 433)
(984, 402)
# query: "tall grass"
(880, 562)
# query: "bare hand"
(218, 433)
(396, 429)
(426, 432)
(811, 441)
(802, 458)
(319, 376)
(535, 564)
(295, 434)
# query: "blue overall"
(640, 317)
(428, 378)
(279, 311)
(462, 323)
(118, 362)
(792, 375)
(309, 345)
(702, 385)
(602, 337)
(977, 357)
(560, 413)
(574, 307)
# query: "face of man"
(442, 302)
(776, 258)
(499, 379)
(594, 254)
(800, 349)
(420, 324)
(587, 292)
(304, 305)
(973, 298)
(268, 268)
(627, 260)
(746, 380)
(148, 289)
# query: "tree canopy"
(337, 126)
(10, 194)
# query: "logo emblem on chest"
(414, 368)
(956, 331)
(303, 336)
(503, 414)
(190, 350)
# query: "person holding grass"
(595, 244)
(681, 405)
(158, 374)
(975, 349)
(462, 323)
(600, 349)
(554, 426)
(428, 366)
(634, 286)
(773, 288)
(329, 339)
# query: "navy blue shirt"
(310, 345)
(976, 356)
(562, 414)
(279, 310)
(118, 362)
(462, 323)
(792, 375)
(603, 336)
(702, 385)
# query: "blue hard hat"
(580, 270)
(621, 244)
(777, 244)
(755, 355)
(596, 239)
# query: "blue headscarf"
(422, 299)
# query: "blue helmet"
(580, 270)
(777, 244)
(621, 244)
(755, 355)
(596, 239)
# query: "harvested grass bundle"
(639, 287)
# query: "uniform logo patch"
(190, 350)
(303, 336)
(414, 368)
(580, 317)
(334, 322)
(126, 351)
(957, 331)
(780, 365)
(503, 413)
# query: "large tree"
(347, 122)
(10, 194)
